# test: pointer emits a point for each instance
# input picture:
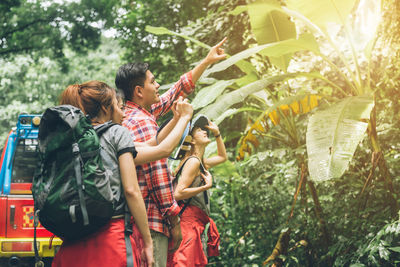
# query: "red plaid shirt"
(154, 178)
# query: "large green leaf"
(233, 111)
(281, 62)
(278, 49)
(225, 101)
(159, 30)
(243, 65)
(268, 24)
(245, 80)
(163, 30)
(238, 10)
(235, 58)
(208, 94)
(320, 12)
(333, 135)
(246, 67)
(305, 41)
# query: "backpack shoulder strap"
(178, 173)
(202, 169)
(103, 128)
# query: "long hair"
(88, 97)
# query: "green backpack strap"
(78, 165)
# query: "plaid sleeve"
(162, 188)
(184, 86)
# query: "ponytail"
(88, 97)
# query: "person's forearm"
(138, 210)
(167, 129)
(215, 54)
(221, 147)
(133, 195)
(199, 70)
(189, 192)
(148, 154)
(173, 138)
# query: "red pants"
(104, 248)
(190, 252)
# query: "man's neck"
(141, 104)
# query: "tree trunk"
(383, 169)
(281, 247)
(318, 213)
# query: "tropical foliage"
(307, 102)
(47, 26)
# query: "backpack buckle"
(75, 149)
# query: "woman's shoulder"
(192, 163)
(119, 135)
(117, 130)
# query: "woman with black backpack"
(107, 247)
(192, 181)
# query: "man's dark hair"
(129, 76)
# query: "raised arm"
(135, 202)
(168, 128)
(190, 170)
(221, 156)
(215, 54)
(186, 83)
(164, 149)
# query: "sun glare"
(367, 19)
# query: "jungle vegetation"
(308, 103)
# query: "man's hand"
(175, 113)
(184, 108)
(216, 53)
(176, 234)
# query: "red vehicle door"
(20, 207)
(20, 214)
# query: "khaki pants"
(160, 248)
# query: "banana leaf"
(208, 94)
(243, 65)
(333, 135)
(298, 104)
(304, 42)
(320, 12)
(270, 25)
(225, 101)
(238, 10)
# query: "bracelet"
(173, 225)
(218, 135)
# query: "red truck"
(17, 166)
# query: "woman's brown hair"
(88, 97)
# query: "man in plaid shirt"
(143, 107)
